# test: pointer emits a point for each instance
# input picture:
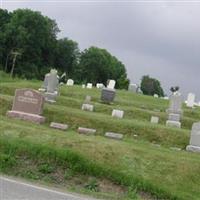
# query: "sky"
(156, 38)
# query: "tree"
(67, 55)
(151, 86)
(35, 35)
(4, 19)
(98, 65)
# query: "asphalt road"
(11, 189)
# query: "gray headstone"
(175, 105)
(174, 117)
(88, 99)
(173, 124)
(112, 135)
(194, 138)
(52, 81)
(107, 95)
(87, 131)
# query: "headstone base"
(173, 124)
(26, 116)
(193, 148)
(50, 97)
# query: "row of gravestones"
(28, 105)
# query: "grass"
(136, 163)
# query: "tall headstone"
(27, 105)
(194, 138)
(52, 87)
(190, 100)
(70, 82)
(111, 84)
(175, 110)
(45, 83)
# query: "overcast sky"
(156, 38)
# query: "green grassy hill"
(145, 164)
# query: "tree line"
(29, 43)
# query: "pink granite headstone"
(27, 105)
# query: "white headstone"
(154, 120)
(70, 82)
(87, 107)
(190, 100)
(155, 95)
(111, 84)
(194, 138)
(99, 85)
(89, 85)
(117, 113)
(83, 86)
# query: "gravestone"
(45, 83)
(107, 95)
(112, 135)
(83, 86)
(59, 126)
(87, 107)
(111, 84)
(99, 85)
(89, 85)
(27, 105)
(175, 110)
(190, 100)
(154, 119)
(117, 113)
(194, 138)
(52, 87)
(88, 99)
(87, 131)
(70, 82)
(133, 88)
(155, 96)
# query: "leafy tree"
(35, 36)
(4, 19)
(67, 55)
(151, 86)
(98, 65)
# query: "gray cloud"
(160, 39)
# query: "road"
(11, 189)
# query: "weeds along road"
(11, 189)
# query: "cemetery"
(143, 149)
